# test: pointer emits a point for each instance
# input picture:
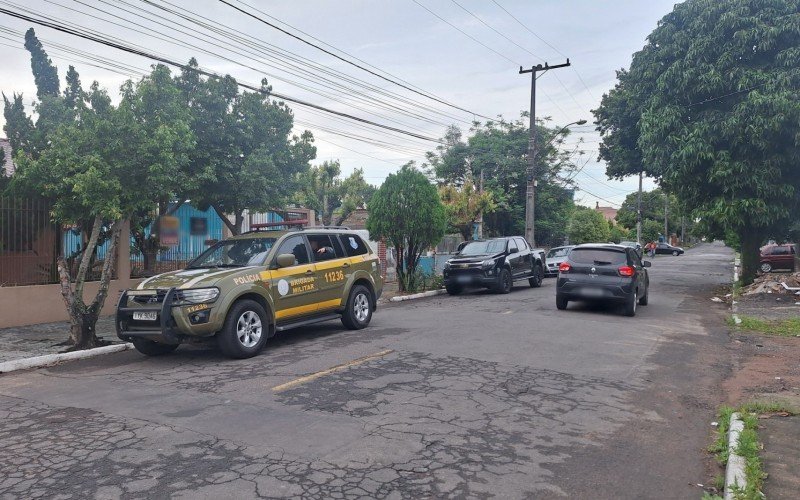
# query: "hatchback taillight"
(626, 271)
(564, 267)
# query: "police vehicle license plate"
(145, 316)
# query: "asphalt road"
(473, 396)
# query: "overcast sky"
(400, 37)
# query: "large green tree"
(45, 74)
(710, 107)
(588, 226)
(406, 211)
(246, 156)
(499, 150)
(103, 167)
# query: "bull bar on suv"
(128, 329)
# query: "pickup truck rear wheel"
(150, 348)
(538, 275)
(245, 330)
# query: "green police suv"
(244, 289)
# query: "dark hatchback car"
(597, 272)
(667, 249)
(494, 264)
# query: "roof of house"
(609, 213)
(8, 167)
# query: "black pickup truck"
(495, 264)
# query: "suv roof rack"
(292, 225)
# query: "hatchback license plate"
(592, 292)
(145, 316)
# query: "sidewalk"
(48, 338)
(781, 456)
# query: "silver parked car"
(556, 256)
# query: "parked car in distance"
(495, 264)
(555, 257)
(633, 244)
(666, 249)
(777, 257)
(599, 272)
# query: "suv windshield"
(558, 252)
(234, 253)
(484, 247)
(598, 256)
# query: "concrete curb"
(52, 359)
(734, 472)
(429, 293)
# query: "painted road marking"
(328, 371)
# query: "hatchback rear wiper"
(601, 263)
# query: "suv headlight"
(488, 264)
(196, 296)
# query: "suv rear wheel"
(150, 348)
(245, 330)
(358, 311)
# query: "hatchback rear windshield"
(598, 256)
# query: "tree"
(710, 107)
(45, 74)
(588, 226)
(619, 233)
(407, 212)
(500, 150)
(464, 206)
(333, 198)
(19, 127)
(103, 167)
(245, 157)
(653, 210)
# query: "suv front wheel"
(245, 330)
(358, 311)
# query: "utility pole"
(666, 227)
(639, 212)
(531, 177)
(480, 216)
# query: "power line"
(361, 67)
(143, 53)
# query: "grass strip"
(783, 328)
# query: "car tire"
(645, 298)
(675, 253)
(358, 310)
(454, 289)
(538, 276)
(561, 302)
(504, 281)
(765, 267)
(150, 348)
(245, 330)
(630, 304)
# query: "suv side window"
(353, 244)
(780, 251)
(511, 245)
(295, 245)
(322, 248)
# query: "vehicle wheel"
(630, 305)
(358, 311)
(245, 330)
(561, 302)
(766, 267)
(675, 253)
(644, 299)
(150, 348)
(454, 289)
(504, 282)
(538, 275)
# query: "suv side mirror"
(514, 250)
(286, 260)
(647, 263)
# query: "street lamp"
(531, 187)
